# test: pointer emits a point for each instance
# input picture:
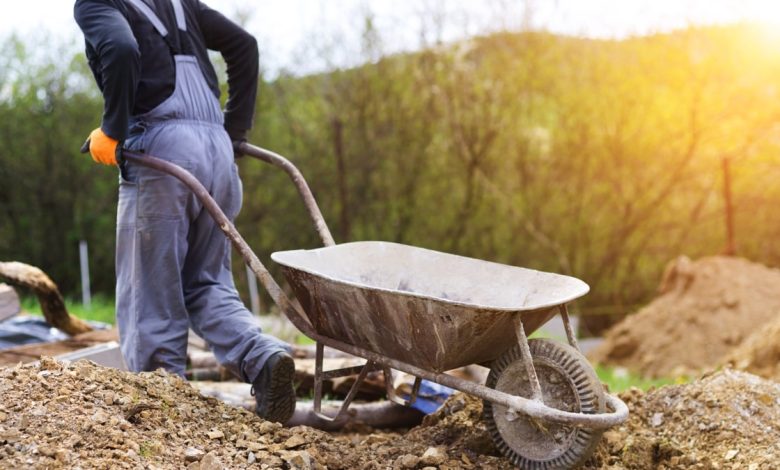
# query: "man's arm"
(106, 30)
(239, 49)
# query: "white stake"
(86, 296)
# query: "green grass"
(619, 379)
(102, 309)
(304, 340)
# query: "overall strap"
(151, 16)
(181, 23)
(179, 11)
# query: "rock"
(268, 427)
(373, 439)
(191, 454)
(211, 462)
(298, 460)
(433, 456)
(250, 445)
(10, 436)
(408, 461)
(100, 417)
(251, 458)
(215, 434)
(657, 420)
(295, 441)
(62, 456)
(731, 454)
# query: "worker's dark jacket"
(134, 67)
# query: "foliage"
(599, 159)
(595, 158)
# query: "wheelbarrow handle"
(298, 180)
(245, 148)
(297, 317)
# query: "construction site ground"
(81, 415)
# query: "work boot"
(273, 389)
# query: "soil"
(760, 353)
(56, 415)
(706, 309)
(729, 420)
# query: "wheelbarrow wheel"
(568, 383)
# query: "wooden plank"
(9, 302)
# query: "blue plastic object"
(431, 397)
(22, 330)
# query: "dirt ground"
(729, 420)
(760, 353)
(85, 416)
(706, 309)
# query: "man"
(161, 96)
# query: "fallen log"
(52, 303)
(9, 302)
(379, 415)
(384, 414)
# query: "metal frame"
(533, 407)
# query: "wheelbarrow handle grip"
(119, 151)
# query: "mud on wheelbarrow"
(424, 312)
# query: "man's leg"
(151, 247)
(216, 311)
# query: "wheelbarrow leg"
(390, 389)
(525, 355)
(320, 375)
(567, 325)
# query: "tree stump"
(52, 303)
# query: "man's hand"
(102, 147)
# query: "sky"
(301, 35)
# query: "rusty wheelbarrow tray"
(424, 312)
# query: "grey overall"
(172, 260)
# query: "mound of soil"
(706, 309)
(56, 415)
(730, 420)
(760, 353)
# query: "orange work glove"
(102, 147)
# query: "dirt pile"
(82, 415)
(760, 353)
(54, 415)
(707, 308)
(730, 420)
(452, 438)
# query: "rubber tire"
(552, 360)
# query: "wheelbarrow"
(424, 312)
